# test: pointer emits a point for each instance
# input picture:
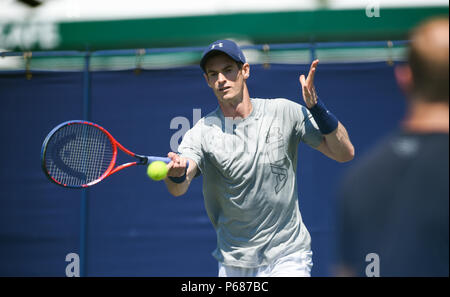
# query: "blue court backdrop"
(130, 225)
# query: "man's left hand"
(308, 90)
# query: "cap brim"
(208, 54)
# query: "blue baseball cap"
(225, 46)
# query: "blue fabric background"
(134, 227)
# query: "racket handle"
(151, 159)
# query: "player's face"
(225, 78)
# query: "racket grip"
(164, 159)
(153, 159)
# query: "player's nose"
(221, 78)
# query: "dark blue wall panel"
(134, 227)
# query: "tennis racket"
(79, 154)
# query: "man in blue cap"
(246, 150)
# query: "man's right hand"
(176, 167)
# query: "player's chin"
(224, 95)
(227, 96)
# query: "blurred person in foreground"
(394, 204)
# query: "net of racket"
(80, 154)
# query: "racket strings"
(78, 154)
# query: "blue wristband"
(178, 179)
(326, 121)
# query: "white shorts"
(297, 264)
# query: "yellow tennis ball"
(157, 170)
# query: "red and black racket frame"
(141, 160)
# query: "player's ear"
(246, 70)
(403, 75)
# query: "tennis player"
(246, 150)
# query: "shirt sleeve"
(191, 146)
(305, 128)
(309, 131)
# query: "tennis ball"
(157, 170)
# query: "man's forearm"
(177, 189)
(339, 144)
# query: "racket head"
(78, 154)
